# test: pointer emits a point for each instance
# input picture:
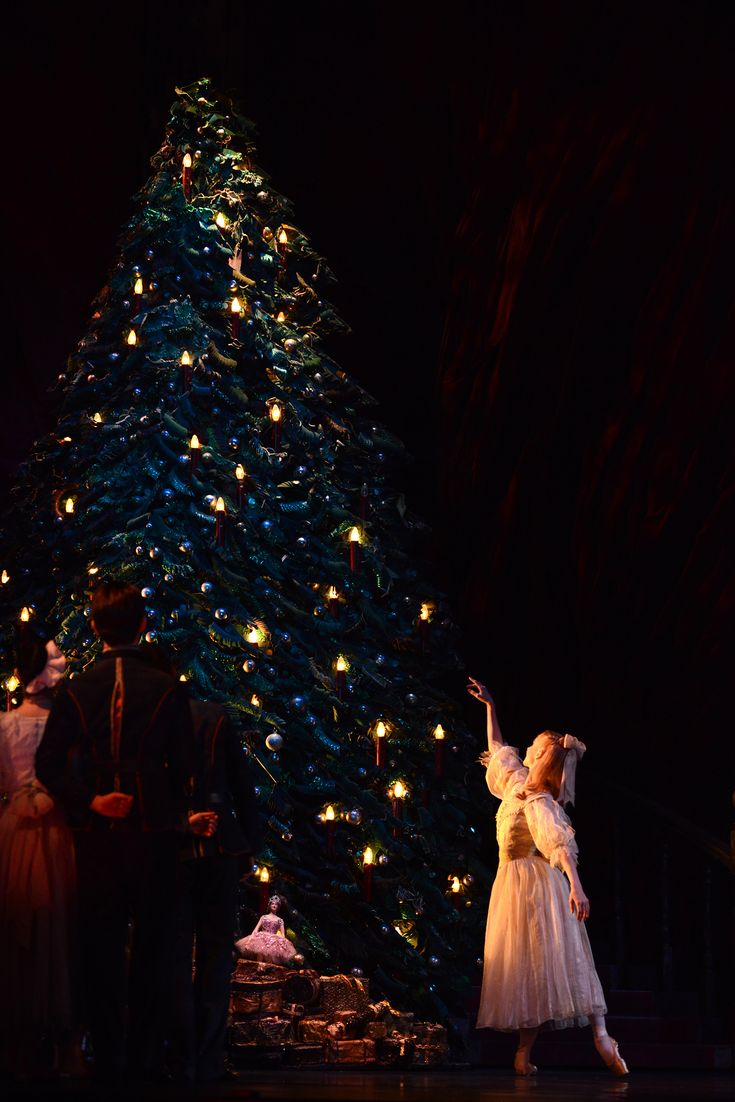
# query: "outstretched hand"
(579, 904)
(203, 823)
(477, 689)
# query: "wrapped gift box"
(302, 987)
(345, 993)
(256, 999)
(255, 971)
(313, 1031)
(275, 1030)
(375, 1031)
(430, 1055)
(396, 1051)
(351, 1052)
(429, 1033)
(351, 1022)
(305, 1055)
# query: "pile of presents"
(284, 1017)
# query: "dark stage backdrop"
(530, 214)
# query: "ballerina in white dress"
(268, 941)
(539, 971)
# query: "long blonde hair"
(552, 767)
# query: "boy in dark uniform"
(117, 753)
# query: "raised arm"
(477, 689)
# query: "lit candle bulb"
(11, 685)
(329, 819)
(132, 338)
(355, 550)
(255, 700)
(220, 520)
(398, 795)
(276, 417)
(137, 295)
(280, 317)
(424, 626)
(97, 418)
(220, 221)
(282, 244)
(186, 369)
(240, 476)
(195, 451)
(439, 738)
(456, 892)
(236, 311)
(25, 615)
(381, 732)
(340, 678)
(332, 601)
(4, 577)
(264, 877)
(368, 859)
(69, 506)
(253, 637)
(186, 176)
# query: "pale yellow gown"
(538, 967)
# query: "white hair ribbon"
(51, 673)
(575, 749)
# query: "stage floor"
(449, 1085)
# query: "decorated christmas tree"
(209, 450)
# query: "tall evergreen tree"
(209, 450)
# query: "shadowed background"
(530, 215)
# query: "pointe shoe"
(610, 1054)
(522, 1064)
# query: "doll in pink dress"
(268, 941)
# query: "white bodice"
(20, 736)
(530, 826)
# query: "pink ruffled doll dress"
(268, 942)
(539, 969)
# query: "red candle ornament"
(381, 732)
(220, 517)
(355, 550)
(186, 370)
(368, 859)
(329, 820)
(398, 794)
(275, 415)
(264, 877)
(282, 244)
(236, 312)
(340, 678)
(195, 451)
(186, 176)
(333, 601)
(439, 738)
(240, 476)
(137, 295)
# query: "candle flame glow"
(282, 237)
(424, 614)
(341, 664)
(280, 317)
(132, 337)
(194, 442)
(439, 732)
(12, 683)
(25, 615)
(235, 306)
(220, 506)
(380, 730)
(239, 472)
(332, 593)
(329, 814)
(255, 700)
(4, 577)
(69, 506)
(138, 289)
(355, 535)
(455, 884)
(185, 359)
(220, 220)
(264, 875)
(187, 160)
(368, 856)
(399, 790)
(253, 636)
(275, 412)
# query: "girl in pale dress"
(539, 972)
(37, 881)
(268, 941)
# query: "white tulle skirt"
(539, 969)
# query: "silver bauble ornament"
(146, 592)
(221, 614)
(206, 587)
(354, 816)
(139, 551)
(155, 552)
(274, 741)
(151, 636)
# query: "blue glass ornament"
(206, 587)
(274, 741)
(221, 614)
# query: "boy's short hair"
(117, 612)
